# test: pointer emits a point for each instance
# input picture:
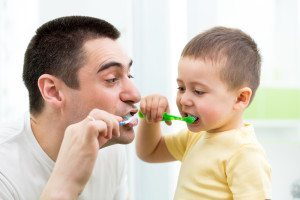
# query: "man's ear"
(49, 87)
(243, 98)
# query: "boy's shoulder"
(238, 138)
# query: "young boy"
(218, 74)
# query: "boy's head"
(218, 74)
(234, 50)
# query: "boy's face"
(201, 93)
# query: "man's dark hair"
(57, 49)
(233, 48)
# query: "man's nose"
(130, 92)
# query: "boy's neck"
(234, 123)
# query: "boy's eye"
(198, 92)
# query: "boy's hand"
(153, 107)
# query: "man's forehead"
(104, 47)
(105, 50)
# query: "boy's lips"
(197, 119)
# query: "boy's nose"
(185, 99)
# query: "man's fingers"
(112, 122)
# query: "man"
(78, 79)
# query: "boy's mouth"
(197, 119)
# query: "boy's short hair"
(233, 48)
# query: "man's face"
(105, 83)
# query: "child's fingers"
(162, 107)
(143, 106)
(154, 109)
(148, 108)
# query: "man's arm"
(6, 189)
(78, 153)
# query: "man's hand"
(78, 153)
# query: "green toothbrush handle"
(166, 116)
(169, 117)
(141, 115)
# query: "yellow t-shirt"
(225, 165)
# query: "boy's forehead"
(193, 69)
(210, 63)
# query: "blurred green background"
(274, 103)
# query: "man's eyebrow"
(112, 64)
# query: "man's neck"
(49, 132)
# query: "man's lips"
(129, 120)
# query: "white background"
(154, 33)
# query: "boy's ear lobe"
(49, 87)
(243, 98)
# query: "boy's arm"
(150, 145)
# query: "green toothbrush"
(169, 117)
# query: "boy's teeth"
(196, 118)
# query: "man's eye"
(112, 80)
(130, 76)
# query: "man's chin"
(127, 136)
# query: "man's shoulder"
(11, 130)
(20, 162)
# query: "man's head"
(75, 64)
(218, 74)
(57, 49)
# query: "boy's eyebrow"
(194, 83)
(113, 64)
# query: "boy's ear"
(49, 87)
(243, 98)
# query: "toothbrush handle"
(166, 116)
(169, 117)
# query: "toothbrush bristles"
(126, 121)
(191, 119)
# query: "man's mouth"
(129, 120)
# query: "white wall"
(281, 142)
(154, 33)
